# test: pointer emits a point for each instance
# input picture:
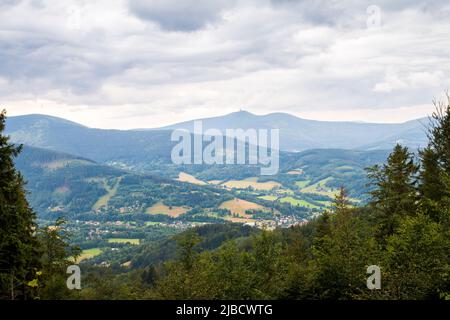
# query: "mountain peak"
(243, 112)
(35, 117)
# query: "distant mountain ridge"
(100, 145)
(137, 146)
(297, 134)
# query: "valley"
(112, 203)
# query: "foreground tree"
(19, 246)
(435, 165)
(342, 256)
(395, 193)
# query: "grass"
(251, 182)
(268, 198)
(299, 202)
(161, 208)
(321, 188)
(124, 240)
(238, 220)
(302, 184)
(103, 201)
(185, 177)
(88, 254)
(285, 191)
(239, 207)
(325, 203)
(215, 182)
(296, 171)
(151, 223)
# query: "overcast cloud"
(127, 64)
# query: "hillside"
(114, 146)
(60, 184)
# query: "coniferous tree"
(435, 164)
(395, 195)
(19, 247)
(340, 262)
(439, 133)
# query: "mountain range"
(297, 134)
(149, 145)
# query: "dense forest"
(404, 229)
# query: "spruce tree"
(435, 169)
(395, 195)
(18, 243)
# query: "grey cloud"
(351, 13)
(173, 15)
(310, 54)
(9, 3)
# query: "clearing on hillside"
(161, 208)
(88, 254)
(215, 182)
(185, 177)
(239, 206)
(302, 184)
(295, 171)
(268, 198)
(124, 240)
(299, 202)
(103, 201)
(251, 182)
(321, 188)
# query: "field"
(215, 182)
(184, 177)
(103, 201)
(321, 188)
(251, 182)
(161, 208)
(239, 220)
(299, 202)
(239, 206)
(325, 203)
(302, 184)
(88, 254)
(124, 240)
(268, 198)
(151, 223)
(296, 171)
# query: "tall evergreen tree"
(439, 133)
(340, 262)
(19, 247)
(435, 159)
(395, 195)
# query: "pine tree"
(395, 195)
(19, 260)
(435, 169)
(431, 186)
(341, 259)
(439, 133)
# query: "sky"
(144, 64)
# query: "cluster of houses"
(278, 222)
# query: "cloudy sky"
(134, 63)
